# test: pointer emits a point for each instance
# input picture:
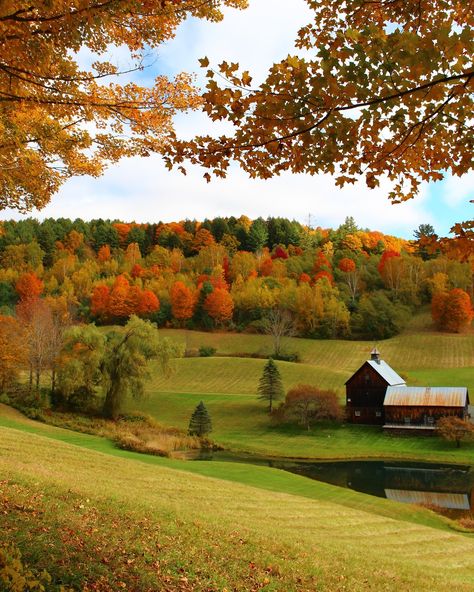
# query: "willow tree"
(380, 89)
(125, 366)
(58, 118)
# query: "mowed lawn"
(241, 423)
(228, 386)
(405, 352)
(92, 517)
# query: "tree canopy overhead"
(58, 119)
(379, 89)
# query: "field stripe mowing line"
(229, 508)
(272, 480)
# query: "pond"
(440, 486)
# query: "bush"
(4, 398)
(15, 576)
(287, 357)
(308, 404)
(206, 351)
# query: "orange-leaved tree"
(29, 286)
(13, 350)
(452, 311)
(380, 88)
(219, 305)
(59, 119)
(183, 301)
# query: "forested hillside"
(231, 272)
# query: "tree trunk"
(112, 401)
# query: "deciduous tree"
(13, 351)
(57, 119)
(452, 311)
(219, 305)
(455, 429)
(382, 89)
(311, 404)
(125, 365)
(79, 372)
(29, 286)
(278, 323)
(183, 301)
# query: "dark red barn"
(365, 390)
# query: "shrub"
(206, 351)
(287, 357)
(15, 576)
(309, 404)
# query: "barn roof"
(426, 396)
(386, 372)
(458, 501)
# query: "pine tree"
(270, 387)
(200, 422)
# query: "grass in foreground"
(257, 476)
(116, 523)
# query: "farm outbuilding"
(420, 407)
(366, 388)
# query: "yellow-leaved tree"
(58, 119)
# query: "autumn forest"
(270, 276)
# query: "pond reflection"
(443, 486)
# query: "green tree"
(270, 387)
(378, 317)
(258, 234)
(125, 364)
(79, 371)
(200, 423)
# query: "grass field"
(407, 351)
(228, 387)
(116, 522)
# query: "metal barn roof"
(426, 396)
(457, 501)
(386, 372)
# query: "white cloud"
(143, 190)
(456, 192)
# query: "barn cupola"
(375, 355)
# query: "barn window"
(357, 413)
(367, 377)
(378, 414)
(407, 420)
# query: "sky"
(142, 190)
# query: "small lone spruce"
(270, 387)
(200, 422)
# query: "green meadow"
(228, 383)
(98, 518)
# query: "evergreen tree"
(200, 422)
(270, 387)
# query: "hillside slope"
(121, 524)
